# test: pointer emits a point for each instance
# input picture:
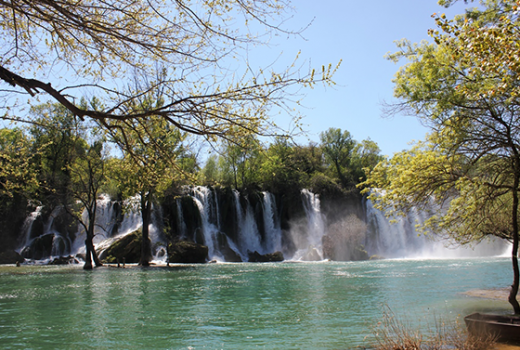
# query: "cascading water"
(109, 229)
(181, 225)
(249, 237)
(28, 225)
(309, 242)
(398, 238)
(245, 226)
(203, 198)
(273, 233)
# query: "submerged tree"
(465, 87)
(186, 51)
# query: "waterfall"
(273, 233)
(308, 239)
(399, 238)
(203, 198)
(248, 235)
(233, 225)
(181, 225)
(28, 225)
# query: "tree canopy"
(465, 87)
(181, 52)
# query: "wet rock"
(228, 254)
(127, 248)
(40, 248)
(187, 252)
(273, 257)
(64, 260)
(10, 257)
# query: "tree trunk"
(91, 253)
(146, 213)
(88, 257)
(516, 278)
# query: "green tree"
(17, 170)
(337, 147)
(210, 172)
(57, 133)
(144, 170)
(87, 177)
(241, 161)
(465, 87)
(365, 156)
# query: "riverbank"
(493, 294)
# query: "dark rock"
(40, 248)
(64, 260)
(10, 257)
(187, 252)
(273, 257)
(228, 254)
(127, 247)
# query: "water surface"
(235, 306)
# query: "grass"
(392, 333)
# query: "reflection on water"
(235, 306)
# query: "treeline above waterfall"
(68, 184)
(77, 195)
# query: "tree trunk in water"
(146, 213)
(88, 257)
(91, 253)
(516, 278)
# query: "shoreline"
(494, 294)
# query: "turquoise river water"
(325, 305)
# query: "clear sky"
(360, 33)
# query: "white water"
(28, 224)
(309, 242)
(400, 239)
(181, 225)
(389, 240)
(273, 233)
(106, 220)
(203, 198)
(248, 236)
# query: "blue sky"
(360, 33)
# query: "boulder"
(126, 248)
(64, 260)
(40, 247)
(273, 257)
(228, 254)
(10, 257)
(187, 252)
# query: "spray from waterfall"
(308, 240)
(398, 238)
